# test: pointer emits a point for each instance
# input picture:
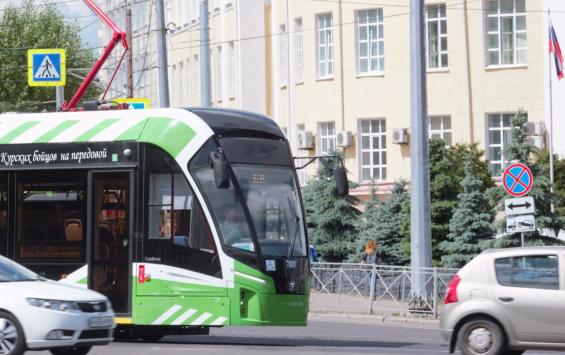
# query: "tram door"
(110, 231)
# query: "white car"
(38, 314)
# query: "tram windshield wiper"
(295, 228)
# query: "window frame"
(502, 145)
(325, 32)
(329, 137)
(299, 49)
(379, 56)
(283, 55)
(500, 16)
(169, 252)
(442, 131)
(440, 22)
(381, 167)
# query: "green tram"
(185, 218)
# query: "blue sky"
(73, 10)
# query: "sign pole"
(59, 97)
(522, 238)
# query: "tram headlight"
(56, 305)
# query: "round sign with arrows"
(517, 180)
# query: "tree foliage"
(520, 150)
(383, 223)
(446, 174)
(27, 26)
(332, 220)
(470, 225)
(366, 223)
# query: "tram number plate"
(101, 322)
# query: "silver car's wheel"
(11, 336)
(480, 340)
(481, 336)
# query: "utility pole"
(162, 54)
(205, 75)
(420, 234)
(130, 52)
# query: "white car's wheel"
(11, 335)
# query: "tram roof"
(171, 129)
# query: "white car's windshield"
(12, 272)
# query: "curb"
(377, 318)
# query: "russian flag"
(556, 50)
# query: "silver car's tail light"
(451, 294)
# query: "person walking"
(370, 257)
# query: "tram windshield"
(274, 205)
(270, 194)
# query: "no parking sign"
(517, 180)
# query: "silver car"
(507, 301)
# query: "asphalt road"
(324, 335)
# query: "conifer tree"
(470, 225)
(332, 219)
(520, 150)
(446, 174)
(366, 224)
(385, 225)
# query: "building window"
(283, 55)
(173, 83)
(181, 81)
(436, 33)
(219, 94)
(302, 175)
(370, 41)
(299, 50)
(373, 149)
(232, 69)
(196, 81)
(499, 135)
(506, 32)
(326, 131)
(324, 44)
(440, 127)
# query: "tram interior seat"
(73, 230)
(182, 240)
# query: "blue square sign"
(46, 67)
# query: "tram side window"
(50, 218)
(3, 214)
(178, 233)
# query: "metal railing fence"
(361, 288)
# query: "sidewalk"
(375, 318)
(355, 306)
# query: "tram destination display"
(66, 154)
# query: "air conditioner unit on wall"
(536, 128)
(537, 142)
(305, 140)
(344, 139)
(400, 135)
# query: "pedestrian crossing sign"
(46, 67)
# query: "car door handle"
(506, 299)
